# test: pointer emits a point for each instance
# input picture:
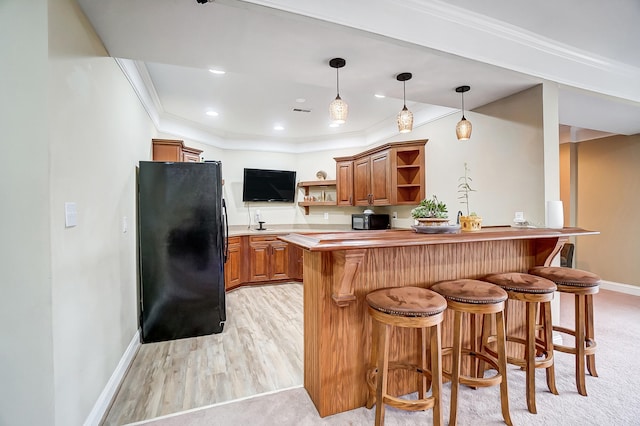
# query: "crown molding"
(140, 81)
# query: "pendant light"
(338, 109)
(405, 117)
(463, 128)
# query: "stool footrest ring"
(405, 404)
(590, 345)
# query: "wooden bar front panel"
(337, 339)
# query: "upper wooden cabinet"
(344, 183)
(392, 174)
(174, 150)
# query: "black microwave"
(369, 221)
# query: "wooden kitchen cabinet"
(408, 175)
(344, 183)
(233, 275)
(392, 174)
(268, 258)
(295, 262)
(174, 150)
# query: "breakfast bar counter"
(340, 268)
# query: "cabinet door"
(344, 183)
(279, 260)
(380, 179)
(362, 182)
(190, 157)
(167, 152)
(295, 262)
(232, 269)
(259, 260)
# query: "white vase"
(555, 214)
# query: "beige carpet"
(614, 396)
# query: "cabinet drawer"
(263, 238)
(234, 240)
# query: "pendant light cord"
(404, 93)
(337, 82)
(462, 104)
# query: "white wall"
(26, 364)
(68, 308)
(505, 155)
(98, 132)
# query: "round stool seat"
(407, 301)
(470, 291)
(567, 276)
(522, 283)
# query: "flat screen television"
(269, 185)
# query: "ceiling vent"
(301, 110)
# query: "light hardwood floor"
(260, 350)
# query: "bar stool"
(410, 307)
(475, 297)
(536, 293)
(583, 285)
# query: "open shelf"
(323, 186)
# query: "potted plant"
(470, 222)
(431, 212)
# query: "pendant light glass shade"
(405, 117)
(463, 128)
(405, 120)
(338, 109)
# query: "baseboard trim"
(103, 403)
(620, 288)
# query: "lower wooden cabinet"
(232, 269)
(295, 262)
(268, 258)
(261, 259)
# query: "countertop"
(328, 241)
(240, 230)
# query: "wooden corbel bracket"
(348, 263)
(547, 249)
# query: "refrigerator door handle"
(226, 231)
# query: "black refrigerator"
(182, 236)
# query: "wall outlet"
(326, 216)
(394, 215)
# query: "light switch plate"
(70, 215)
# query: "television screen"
(269, 185)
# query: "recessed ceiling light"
(212, 113)
(301, 100)
(379, 95)
(278, 127)
(334, 125)
(217, 72)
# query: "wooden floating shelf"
(317, 183)
(317, 203)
